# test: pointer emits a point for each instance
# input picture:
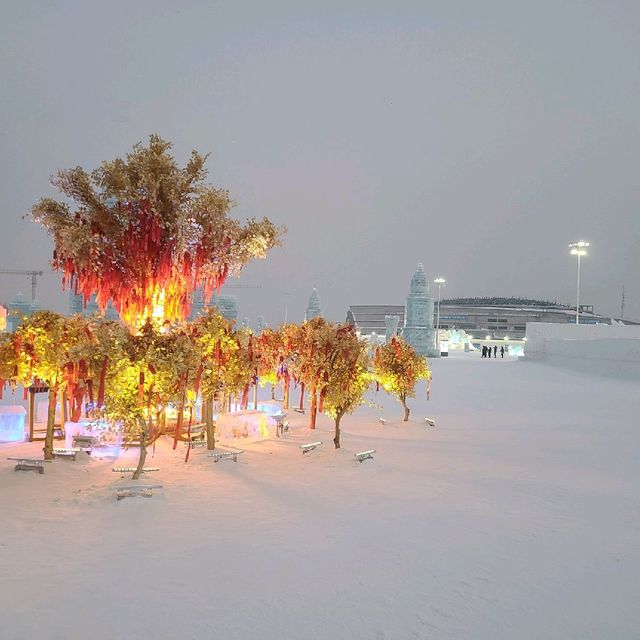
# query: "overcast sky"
(479, 138)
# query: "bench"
(310, 446)
(299, 410)
(197, 433)
(85, 442)
(133, 469)
(194, 444)
(133, 490)
(226, 455)
(365, 455)
(69, 454)
(29, 464)
(382, 421)
(429, 422)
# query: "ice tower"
(313, 309)
(418, 328)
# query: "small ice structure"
(12, 419)
(244, 425)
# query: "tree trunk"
(180, 417)
(210, 424)
(32, 412)
(285, 399)
(186, 457)
(143, 454)
(301, 397)
(273, 391)
(313, 409)
(255, 396)
(51, 422)
(403, 400)
(336, 439)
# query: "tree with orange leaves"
(348, 376)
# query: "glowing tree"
(268, 348)
(397, 367)
(41, 352)
(347, 376)
(214, 340)
(145, 233)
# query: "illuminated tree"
(347, 376)
(215, 342)
(145, 233)
(397, 367)
(42, 347)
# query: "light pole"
(439, 282)
(578, 249)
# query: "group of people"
(486, 351)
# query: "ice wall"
(603, 349)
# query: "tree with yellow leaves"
(397, 367)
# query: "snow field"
(516, 517)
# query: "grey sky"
(479, 138)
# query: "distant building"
(19, 309)
(227, 306)
(314, 310)
(497, 318)
(77, 306)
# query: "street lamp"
(578, 249)
(439, 282)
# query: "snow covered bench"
(310, 446)
(133, 490)
(29, 464)
(382, 421)
(69, 454)
(299, 410)
(429, 422)
(365, 455)
(132, 469)
(226, 455)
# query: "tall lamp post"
(439, 282)
(578, 249)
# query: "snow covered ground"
(517, 517)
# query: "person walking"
(488, 352)
(495, 350)
(502, 352)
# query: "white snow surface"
(516, 517)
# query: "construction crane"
(34, 278)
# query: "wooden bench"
(132, 469)
(29, 464)
(310, 446)
(429, 422)
(382, 421)
(299, 410)
(365, 455)
(226, 455)
(68, 454)
(133, 490)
